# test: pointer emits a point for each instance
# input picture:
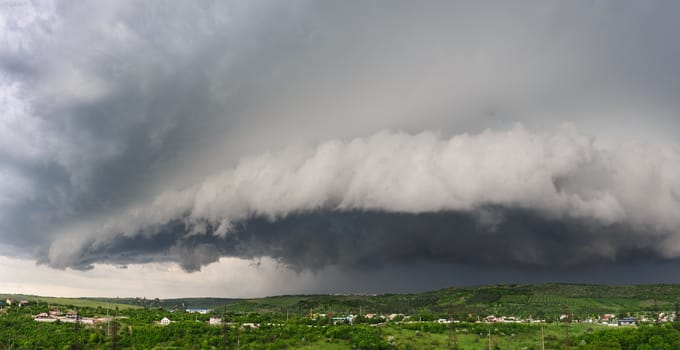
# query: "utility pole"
(542, 337)
(489, 337)
(452, 331)
(224, 328)
(114, 335)
(566, 327)
(76, 331)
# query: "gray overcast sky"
(184, 148)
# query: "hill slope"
(539, 301)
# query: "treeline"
(648, 337)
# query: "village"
(107, 322)
(608, 319)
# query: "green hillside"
(524, 300)
(76, 302)
(177, 304)
(539, 301)
(545, 301)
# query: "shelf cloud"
(351, 137)
(508, 197)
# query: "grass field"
(548, 299)
(553, 333)
(76, 302)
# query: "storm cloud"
(511, 197)
(537, 135)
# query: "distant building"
(165, 321)
(55, 312)
(393, 316)
(348, 319)
(215, 321)
(9, 301)
(201, 311)
(628, 321)
(23, 303)
(44, 317)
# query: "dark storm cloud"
(360, 240)
(496, 198)
(134, 132)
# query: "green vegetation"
(296, 322)
(546, 301)
(74, 302)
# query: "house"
(215, 321)
(608, 317)
(165, 321)
(628, 321)
(23, 303)
(44, 317)
(9, 301)
(101, 320)
(348, 319)
(55, 312)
